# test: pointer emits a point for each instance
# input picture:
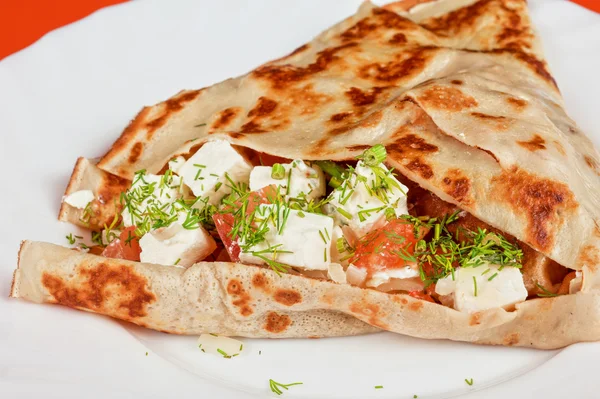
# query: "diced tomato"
(224, 222)
(421, 295)
(127, 246)
(389, 247)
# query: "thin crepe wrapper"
(248, 301)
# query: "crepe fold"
(459, 93)
(463, 101)
(249, 301)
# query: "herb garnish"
(469, 382)
(546, 293)
(276, 386)
(442, 254)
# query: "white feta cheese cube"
(220, 345)
(476, 289)
(150, 191)
(176, 245)
(337, 273)
(206, 172)
(354, 203)
(79, 199)
(176, 163)
(385, 275)
(303, 179)
(356, 275)
(306, 238)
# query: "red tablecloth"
(22, 22)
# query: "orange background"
(22, 22)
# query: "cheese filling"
(483, 287)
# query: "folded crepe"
(459, 94)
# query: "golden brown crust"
(543, 202)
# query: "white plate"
(72, 93)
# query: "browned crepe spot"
(251, 127)
(171, 106)
(410, 145)
(358, 147)
(535, 144)
(447, 98)
(539, 199)
(537, 66)
(135, 152)
(398, 38)
(406, 65)
(475, 319)
(419, 166)
(591, 162)
(589, 256)
(225, 117)
(499, 122)
(287, 297)
(277, 323)
(242, 298)
(339, 116)
(416, 306)
(360, 98)
(517, 103)
(305, 100)
(282, 76)
(511, 339)
(260, 281)
(560, 148)
(376, 24)
(457, 185)
(111, 188)
(264, 106)
(369, 310)
(458, 20)
(105, 289)
(456, 82)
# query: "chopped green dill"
(276, 386)
(469, 381)
(86, 215)
(493, 276)
(177, 261)
(545, 292)
(378, 386)
(344, 213)
(200, 125)
(443, 253)
(225, 355)
(474, 286)
(322, 237)
(71, 239)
